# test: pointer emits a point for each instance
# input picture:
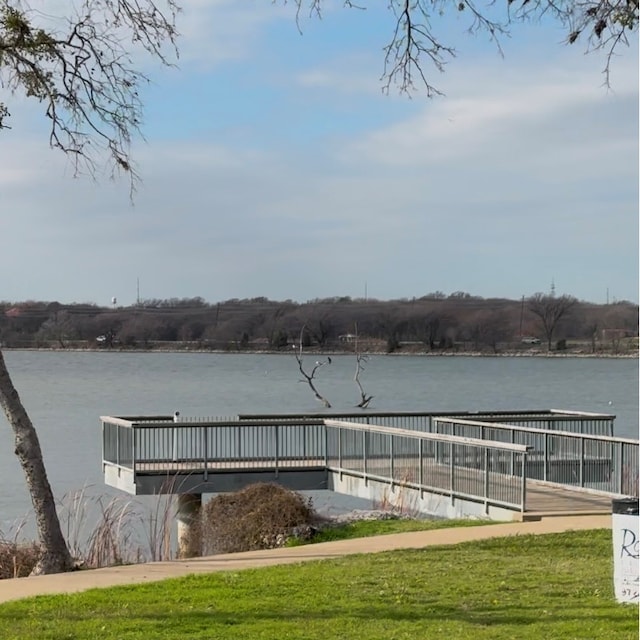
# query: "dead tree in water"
(361, 360)
(309, 377)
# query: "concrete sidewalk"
(154, 571)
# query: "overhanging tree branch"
(82, 70)
(416, 47)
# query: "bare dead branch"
(361, 360)
(309, 377)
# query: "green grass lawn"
(367, 528)
(523, 587)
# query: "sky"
(274, 165)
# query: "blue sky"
(275, 166)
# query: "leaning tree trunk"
(54, 555)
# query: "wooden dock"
(544, 500)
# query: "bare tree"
(415, 42)
(361, 360)
(549, 310)
(309, 377)
(81, 69)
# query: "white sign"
(625, 557)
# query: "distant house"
(616, 334)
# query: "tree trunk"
(54, 556)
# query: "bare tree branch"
(82, 70)
(415, 46)
(361, 360)
(309, 377)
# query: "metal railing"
(481, 459)
(157, 444)
(448, 465)
(596, 462)
(552, 419)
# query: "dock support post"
(188, 517)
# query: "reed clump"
(17, 559)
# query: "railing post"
(620, 468)
(420, 474)
(364, 452)
(205, 453)
(104, 440)
(486, 473)
(326, 445)
(340, 448)
(304, 442)
(133, 452)
(391, 459)
(277, 438)
(545, 456)
(523, 487)
(582, 462)
(451, 470)
(512, 455)
(118, 427)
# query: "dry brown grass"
(262, 516)
(17, 559)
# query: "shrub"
(261, 516)
(17, 560)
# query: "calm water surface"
(66, 392)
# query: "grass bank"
(524, 587)
(375, 527)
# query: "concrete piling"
(188, 517)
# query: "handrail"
(508, 427)
(437, 437)
(486, 471)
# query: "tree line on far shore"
(432, 323)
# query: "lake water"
(65, 393)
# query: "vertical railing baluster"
(523, 484)
(486, 474)
(205, 444)
(277, 441)
(619, 468)
(326, 446)
(451, 469)
(545, 456)
(364, 452)
(134, 433)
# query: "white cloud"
(526, 167)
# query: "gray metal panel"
(223, 482)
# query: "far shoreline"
(316, 352)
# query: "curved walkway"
(154, 571)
